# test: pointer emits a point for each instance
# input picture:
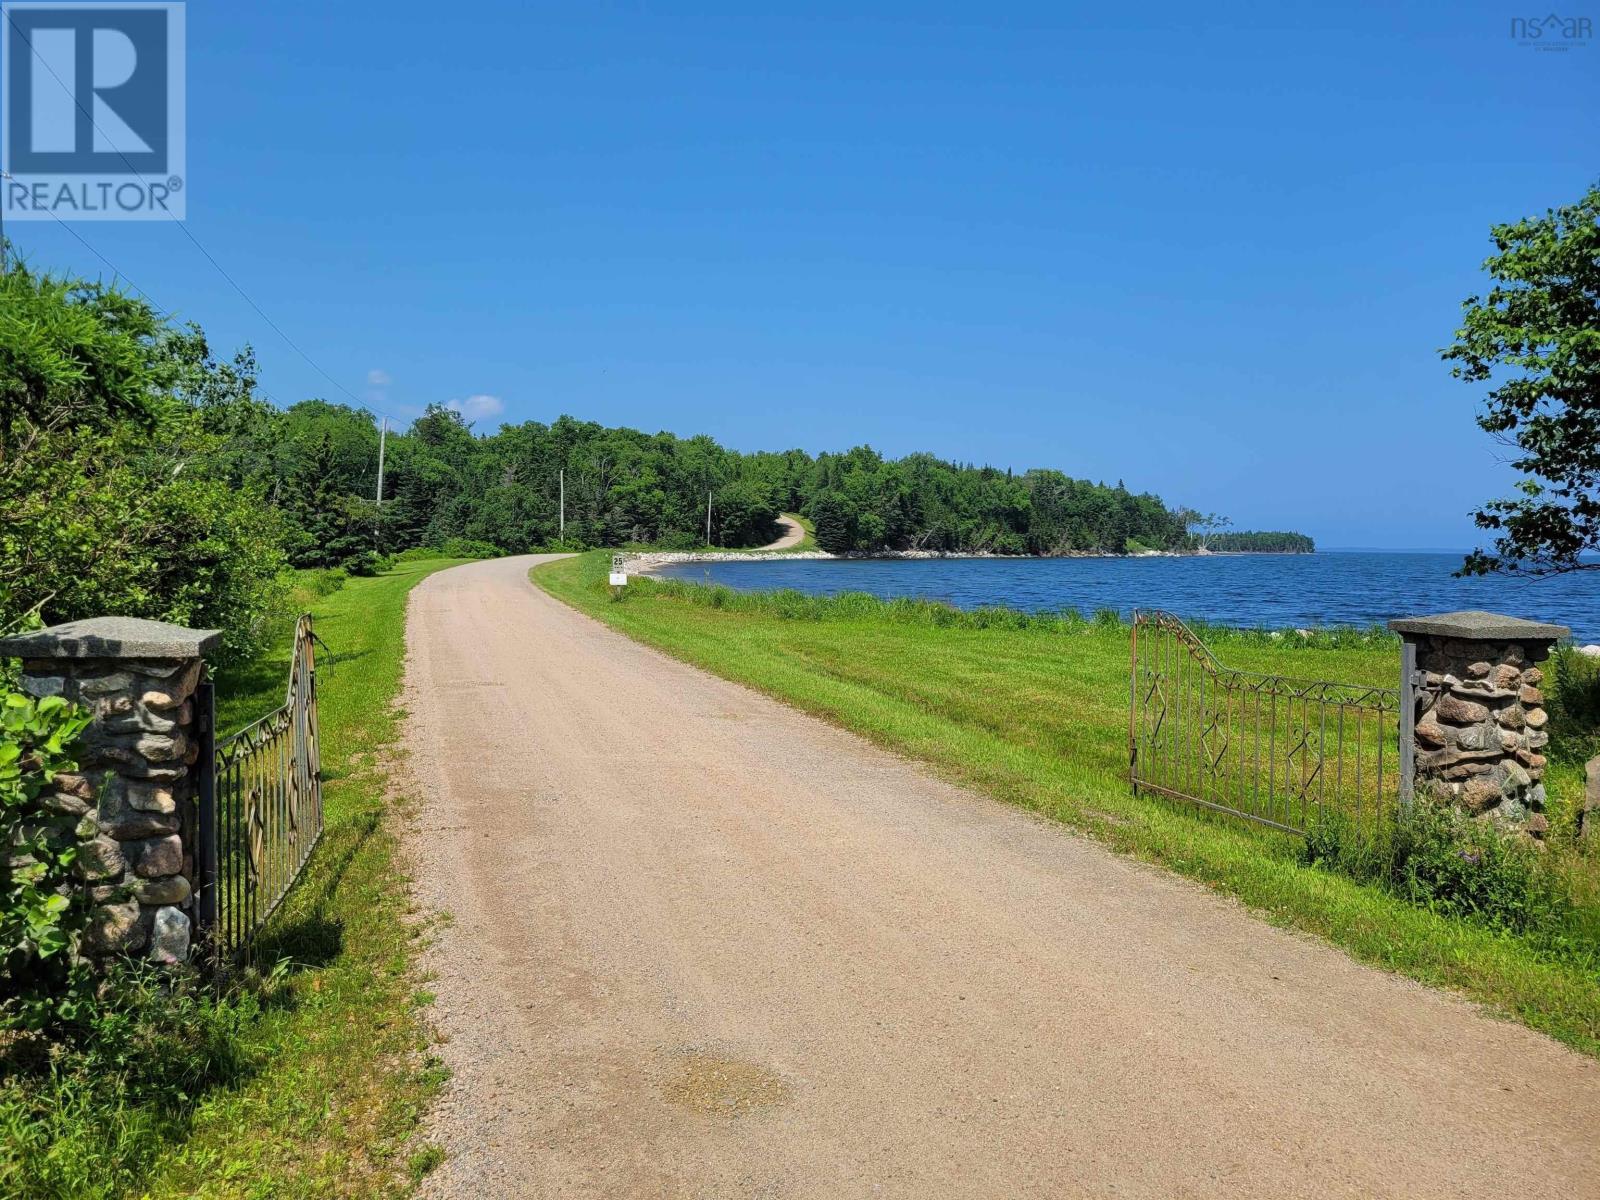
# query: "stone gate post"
(1472, 714)
(139, 770)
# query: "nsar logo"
(1552, 32)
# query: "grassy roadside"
(342, 1070)
(305, 1081)
(1038, 718)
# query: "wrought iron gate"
(260, 811)
(1274, 749)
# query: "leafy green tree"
(344, 441)
(1536, 337)
(744, 514)
(625, 486)
(72, 355)
(110, 483)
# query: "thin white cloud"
(478, 408)
(378, 378)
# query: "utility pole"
(383, 437)
(708, 517)
(563, 477)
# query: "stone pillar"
(1475, 713)
(138, 775)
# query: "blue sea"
(1274, 591)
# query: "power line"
(293, 345)
(184, 228)
(116, 271)
(118, 274)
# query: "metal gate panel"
(1270, 748)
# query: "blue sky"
(1211, 250)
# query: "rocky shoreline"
(647, 561)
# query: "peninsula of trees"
(1264, 542)
(443, 481)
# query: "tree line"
(504, 490)
(140, 473)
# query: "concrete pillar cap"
(1474, 625)
(112, 637)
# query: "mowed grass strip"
(1038, 717)
(341, 1066)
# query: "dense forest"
(318, 463)
(442, 481)
(140, 473)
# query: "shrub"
(43, 908)
(453, 547)
(1572, 696)
(111, 470)
(367, 563)
(217, 563)
(1450, 863)
(1435, 856)
(324, 581)
(461, 547)
(680, 541)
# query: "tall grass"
(789, 604)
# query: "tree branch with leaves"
(1536, 337)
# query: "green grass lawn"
(1037, 716)
(333, 1069)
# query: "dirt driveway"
(793, 534)
(706, 946)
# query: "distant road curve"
(793, 534)
(704, 945)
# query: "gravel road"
(793, 534)
(705, 946)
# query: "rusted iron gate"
(260, 810)
(1267, 747)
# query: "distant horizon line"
(1408, 550)
(1395, 550)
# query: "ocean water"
(1273, 591)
